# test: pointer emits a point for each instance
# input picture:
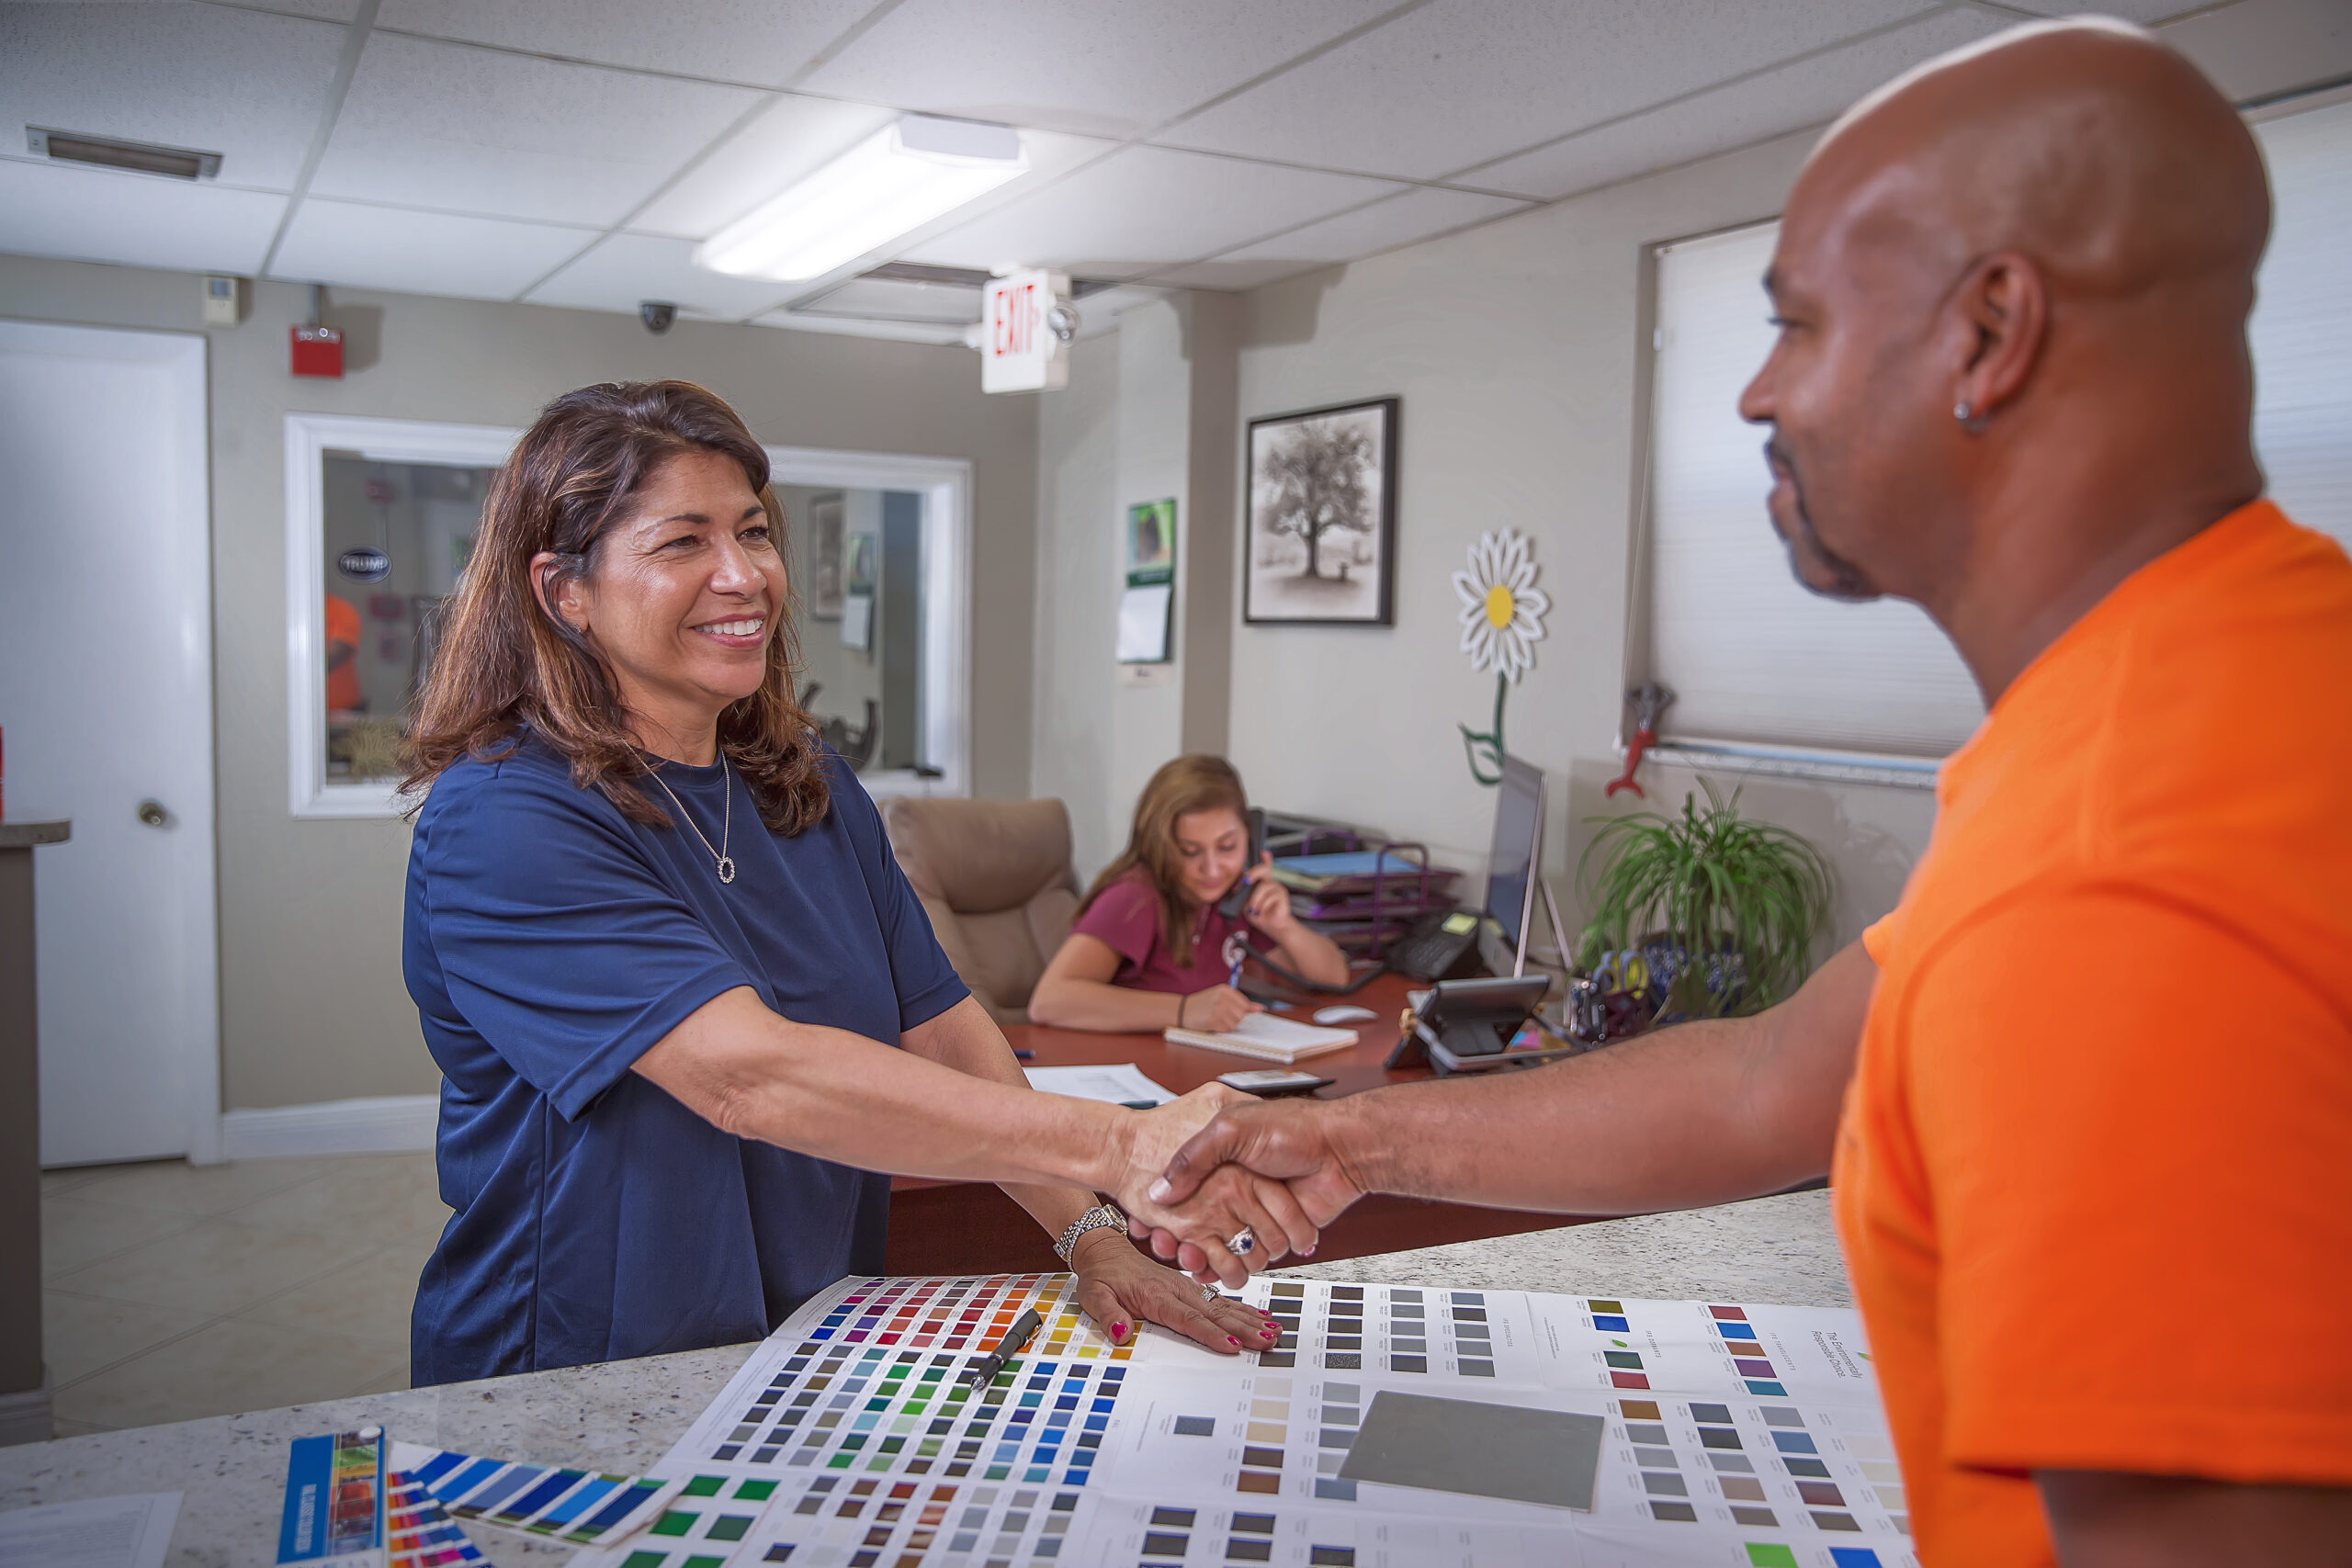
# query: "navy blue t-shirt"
(551, 942)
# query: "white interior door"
(106, 714)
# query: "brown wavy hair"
(507, 660)
(1196, 782)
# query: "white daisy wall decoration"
(1502, 619)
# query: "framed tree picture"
(1320, 536)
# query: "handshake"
(1223, 1184)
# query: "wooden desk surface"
(953, 1227)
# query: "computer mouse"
(1345, 1013)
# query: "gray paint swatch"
(1486, 1451)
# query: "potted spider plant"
(1725, 911)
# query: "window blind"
(1755, 659)
(2302, 330)
(1751, 656)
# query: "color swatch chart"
(1729, 1434)
(853, 1435)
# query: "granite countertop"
(623, 1415)
(1779, 1250)
(24, 830)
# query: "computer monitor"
(1514, 862)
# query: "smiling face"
(1211, 851)
(682, 598)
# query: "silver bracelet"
(1094, 1219)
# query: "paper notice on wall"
(103, 1532)
(1143, 624)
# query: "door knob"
(151, 813)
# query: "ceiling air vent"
(72, 147)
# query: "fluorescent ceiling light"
(894, 181)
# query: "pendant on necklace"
(726, 868)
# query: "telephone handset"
(1237, 900)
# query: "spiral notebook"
(1268, 1038)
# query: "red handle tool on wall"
(1649, 701)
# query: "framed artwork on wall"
(825, 563)
(1320, 534)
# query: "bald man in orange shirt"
(2088, 1090)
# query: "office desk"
(963, 1227)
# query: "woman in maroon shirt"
(1149, 947)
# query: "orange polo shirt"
(2094, 1178)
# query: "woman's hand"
(1237, 1199)
(1269, 907)
(1119, 1287)
(1217, 1009)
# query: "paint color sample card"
(419, 1532)
(1470, 1447)
(571, 1504)
(335, 1500)
(850, 1439)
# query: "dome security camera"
(657, 315)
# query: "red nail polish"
(1231, 1340)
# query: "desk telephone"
(1443, 946)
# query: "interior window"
(397, 536)
(857, 562)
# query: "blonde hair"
(1185, 785)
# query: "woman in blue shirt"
(662, 953)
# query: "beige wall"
(311, 1000)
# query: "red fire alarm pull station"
(318, 351)
(318, 348)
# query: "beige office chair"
(994, 875)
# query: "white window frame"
(945, 483)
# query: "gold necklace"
(727, 823)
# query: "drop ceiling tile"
(2259, 46)
(1078, 66)
(1464, 82)
(2145, 12)
(475, 130)
(1231, 276)
(326, 10)
(729, 41)
(1146, 207)
(133, 219)
(1790, 99)
(421, 253)
(248, 86)
(1415, 215)
(626, 268)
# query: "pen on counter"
(1025, 1055)
(984, 1371)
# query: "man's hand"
(1263, 1206)
(1290, 1141)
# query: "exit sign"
(1020, 352)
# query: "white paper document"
(1120, 1084)
(103, 1532)
(1143, 624)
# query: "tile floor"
(172, 1291)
